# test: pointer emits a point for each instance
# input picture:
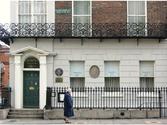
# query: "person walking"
(68, 106)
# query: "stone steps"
(25, 114)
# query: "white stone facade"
(54, 53)
(94, 52)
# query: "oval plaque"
(59, 72)
(94, 71)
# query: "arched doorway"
(31, 83)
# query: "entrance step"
(25, 114)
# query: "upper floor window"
(32, 11)
(136, 17)
(81, 18)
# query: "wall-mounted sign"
(94, 71)
(61, 97)
(63, 11)
(59, 80)
(59, 72)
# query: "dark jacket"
(68, 105)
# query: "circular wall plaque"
(94, 71)
(59, 72)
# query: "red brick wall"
(102, 12)
(114, 11)
(63, 18)
(4, 58)
(157, 11)
(109, 12)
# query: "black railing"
(5, 97)
(72, 30)
(112, 98)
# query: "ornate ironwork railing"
(71, 30)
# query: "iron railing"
(5, 97)
(110, 98)
(78, 30)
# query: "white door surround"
(19, 56)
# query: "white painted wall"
(94, 52)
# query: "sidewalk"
(86, 121)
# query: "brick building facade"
(114, 12)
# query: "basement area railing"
(80, 30)
(109, 98)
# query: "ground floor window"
(112, 83)
(112, 75)
(77, 74)
(77, 82)
(146, 82)
(147, 74)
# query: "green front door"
(31, 89)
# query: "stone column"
(18, 84)
(43, 81)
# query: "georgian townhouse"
(85, 44)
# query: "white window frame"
(146, 32)
(117, 61)
(147, 76)
(112, 76)
(32, 14)
(73, 77)
(70, 68)
(90, 15)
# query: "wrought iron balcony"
(69, 30)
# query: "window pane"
(39, 7)
(82, 7)
(111, 69)
(39, 18)
(84, 28)
(146, 69)
(77, 82)
(136, 7)
(24, 7)
(25, 19)
(112, 82)
(77, 69)
(146, 82)
(136, 19)
(82, 19)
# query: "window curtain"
(146, 82)
(24, 12)
(77, 69)
(136, 11)
(111, 68)
(81, 7)
(146, 69)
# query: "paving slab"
(86, 121)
